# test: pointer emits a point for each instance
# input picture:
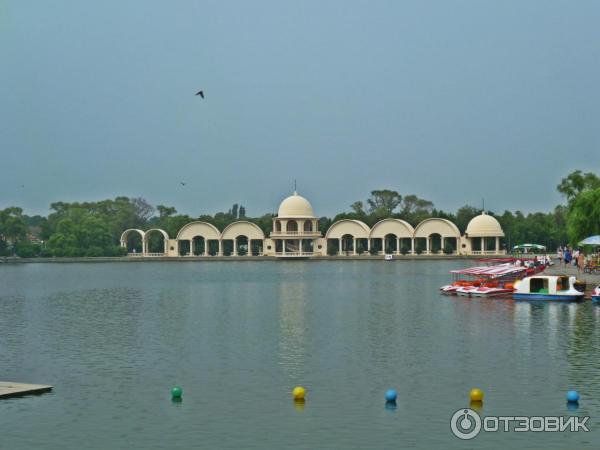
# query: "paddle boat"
(484, 281)
(596, 294)
(548, 288)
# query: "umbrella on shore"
(592, 240)
(536, 246)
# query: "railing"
(296, 254)
(296, 233)
(135, 254)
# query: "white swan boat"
(547, 288)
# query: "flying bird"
(201, 94)
(183, 183)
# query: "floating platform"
(11, 389)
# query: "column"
(220, 248)
(235, 246)
(412, 246)
(397, 245)
(497, 244)
(353, 245)
(442, 244)
(206, 243)
(368, 245)
(283, 246)
(427, 245)
(482, 245)
(300, 245)
(192, 247)
(249, 247)
(383, 245)
(340, 246)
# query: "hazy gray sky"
(450, 100)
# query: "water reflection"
(299, 404)
(292, 327)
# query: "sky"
(453, 101)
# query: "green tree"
(583, 218)
(383, 202)
(464, 216)
(577, 182)
(12, 228)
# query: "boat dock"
(11, 389)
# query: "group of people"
(568, 256)
(541, 260)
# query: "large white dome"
(484, 226)
(295, 206)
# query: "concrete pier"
(11, 389)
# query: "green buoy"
(176, 392)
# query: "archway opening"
(227, 247)
(362, 245)
(390, 243)
(133, 243)
(405, 245)
(450, 245)
(256, 247)
(308, 227)
(307, 246)
(435, 243)
(420, 245)
(333, 246)
(213, 246)
(347, 244)
(292, 226)
(184, 247)
(277, 225)
(242, 245)
(155, 242)
(198, 245)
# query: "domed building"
(482, 236)
(295, 229)
(296, 234)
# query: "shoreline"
(129, 259)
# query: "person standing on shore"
(580, 261)
(567, 257)
(559, 254)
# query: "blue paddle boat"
(548, 288)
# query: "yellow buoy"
(299, 393)
(476, 395)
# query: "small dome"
(484, 226)
(295, 206)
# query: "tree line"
(94, 228)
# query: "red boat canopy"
(490, 271)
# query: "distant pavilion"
(296, 235)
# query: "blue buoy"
(572, 396)
(391, 396)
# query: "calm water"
(113, 339)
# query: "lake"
(113, 338)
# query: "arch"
(443, 227)
(400, 228)
(126, 233)
(355, 228)
(291, 225)
(198, 228)
(308, 227)
(146, 239)
(242, 227)
(125, 237)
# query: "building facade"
(296, 235)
